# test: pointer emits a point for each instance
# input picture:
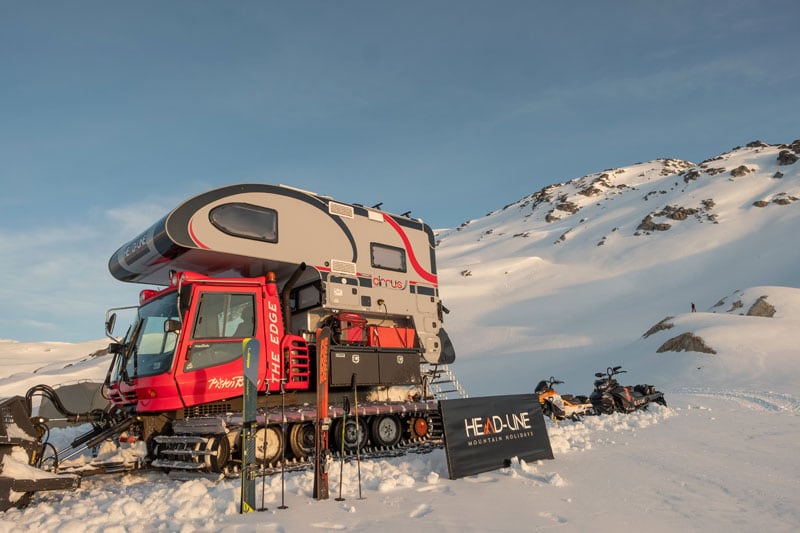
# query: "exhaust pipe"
(287, 289)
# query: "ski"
(250, 351)
(322, 453)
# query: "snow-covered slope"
(568, 279)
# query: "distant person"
(694, 310)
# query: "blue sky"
(113, 112)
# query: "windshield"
(151, 349)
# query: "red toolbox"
(389, 337)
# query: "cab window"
(221, 322)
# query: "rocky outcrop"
(740, 171)
(686, 342)
(761, 308)
(785, 157)
(661, 326)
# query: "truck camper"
(279, 265)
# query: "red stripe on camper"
(194, 237)
(427, 276)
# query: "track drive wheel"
(220, 448)
(269, 444)
(418, 427)
(301, 440)
(355, 435)
(386, 430)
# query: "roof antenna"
(406, 214)
(377, 206)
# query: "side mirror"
(114, 348)
(172, 326)
(110, 322)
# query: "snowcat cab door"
(210, 367)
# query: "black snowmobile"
(609, 396)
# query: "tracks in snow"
(767, 400)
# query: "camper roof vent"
(343, 267)
(341, 210)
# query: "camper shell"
(328, 257)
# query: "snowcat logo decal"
(226, 383)
(496, 428)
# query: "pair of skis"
(322, 457)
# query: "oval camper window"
(247, 221)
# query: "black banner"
(483, 434)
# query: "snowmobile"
(561, 406)
(609, 396)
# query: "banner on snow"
(483, 434)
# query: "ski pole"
(358, 436)
(264, 464)
(264, 459)
(283, 450)
(346, 409)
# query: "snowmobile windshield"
(152, 348)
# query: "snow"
(526, 304)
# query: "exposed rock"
(590, 191)
(691, 175)
(761, 203)
(676, 212)
(785, 157)
(661, 326)
(686, 342)
(778, 175)
(647, 224)
(569, 207)
(466, 273)
(757, 144)
(550, 217)
(761, 308)
(740, 171)
(736, 305)
(781, 200)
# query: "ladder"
(442, 383)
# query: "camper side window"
(388, 257)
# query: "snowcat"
(283, 266)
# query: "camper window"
(246, 220)
(388, 257)
(306, 297)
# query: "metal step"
(180, 439)
(179, 465)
